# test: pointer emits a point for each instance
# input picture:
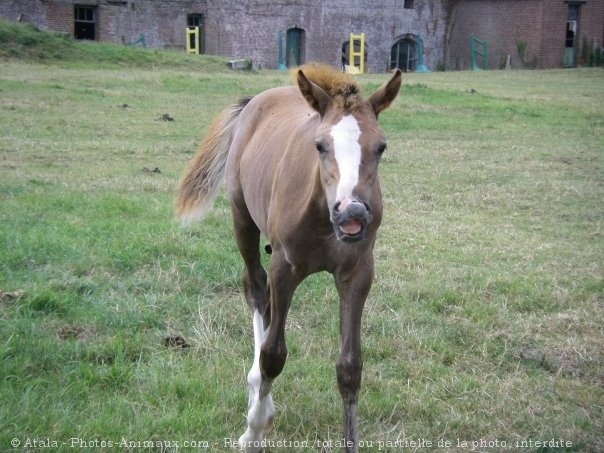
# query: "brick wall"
(503, 23)
(60, 16)
(29, 11)
(538, 24)
(162, 23)
(56, 15)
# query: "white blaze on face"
(347, 152)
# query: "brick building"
(534, 33)
(311, 29)
(527, 33)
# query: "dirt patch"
(10, 297)
(74, 333)
(175, 342)
(165, 117)
(556, 361)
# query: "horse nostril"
(351, 207)
(356, 208)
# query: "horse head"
(349, 143)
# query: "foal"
(301, 166)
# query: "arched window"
(403, 54)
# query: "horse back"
(274, 129)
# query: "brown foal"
(301, 167)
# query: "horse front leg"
(270, 353)
(353, 288)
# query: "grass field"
(484, 327)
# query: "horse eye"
(320, 148)
(381, 149)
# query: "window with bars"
(85, 22)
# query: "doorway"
(572, 28)
(403, 54)
(196, 41)
(294, 47)
(357, 58)
(84, 26)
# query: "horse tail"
(200, 183)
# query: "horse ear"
(316, 96)
(383, 97)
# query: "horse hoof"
(249, 443)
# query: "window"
(194, 20)
(408, 4)
(571, 25)
(84, 22)
(403, 54)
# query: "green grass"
(26, 42)
(484, 321)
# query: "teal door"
(293, 47)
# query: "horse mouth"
(351, 228)
(350, 231)
(350, 224)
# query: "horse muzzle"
(350, 223)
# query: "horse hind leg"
(247, 236)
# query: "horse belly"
(257, 174)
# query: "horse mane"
(343, 90)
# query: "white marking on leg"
(260, 410)
(347, 151)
